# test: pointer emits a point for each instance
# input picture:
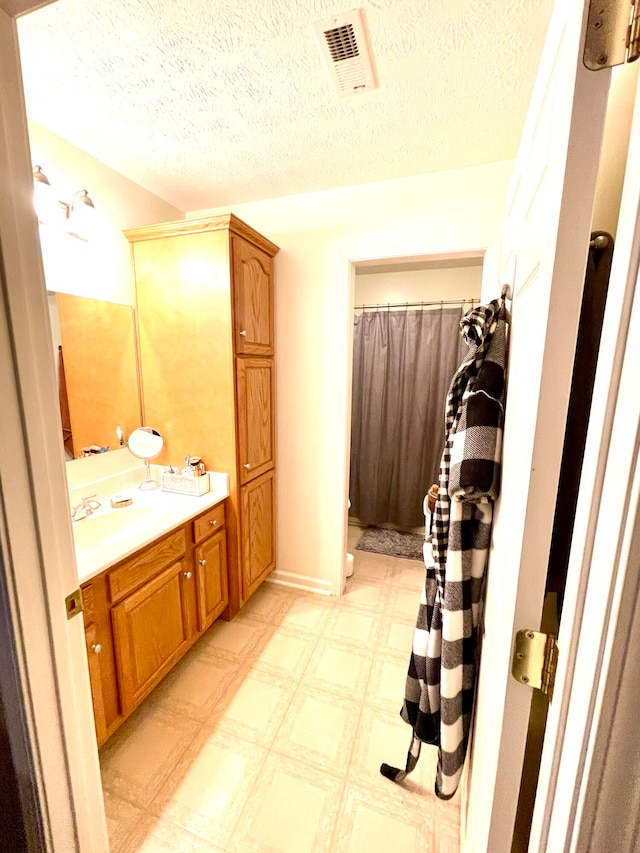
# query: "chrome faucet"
(85, 507)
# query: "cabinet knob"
(202, 562)
(214, 522)
(247, 465)
(188, 575)
(96, 648)
(243, 333)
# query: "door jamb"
(347, 272)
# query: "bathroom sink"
(114, 524)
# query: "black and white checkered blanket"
(441, 680)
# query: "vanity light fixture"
(77, 212)
(43, 198)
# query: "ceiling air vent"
(345, 47)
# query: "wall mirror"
(95, 350)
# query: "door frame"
(44, 682)
(52, 739)
(342, 345)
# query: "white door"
(591, 741)
(44, 682)
(545, 246)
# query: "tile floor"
(268, 736)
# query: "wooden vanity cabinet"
(100, 658)
(94, 649)
(256, 439)
(210, 561)
(253, 298)
(150, 633)
(205, 313)
(258, 546)
(144, 613)
(211, 579)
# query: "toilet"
(348, 566)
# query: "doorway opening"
(406, 348)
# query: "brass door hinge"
(73, 603)
(535, 660)
(613, 34)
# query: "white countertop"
(151, 515)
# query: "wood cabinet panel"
(88, 604)
(225, 223)
(258, 531)
(102, 665)
(211, 574)
(199, 284)
(140, 568)
(210, 522)
(150, 629)
(253, 298)
(256, 438)
(149, 634)
(94, 652)
(186, 346)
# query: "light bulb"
(43, 198)
(80, 218)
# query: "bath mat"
(394, 543)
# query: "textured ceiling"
(214, 102)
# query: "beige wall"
(100, 268)
(318, 234)
(433, 284)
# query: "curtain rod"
(413, 304)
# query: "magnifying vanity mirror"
(146, 443)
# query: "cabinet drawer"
(88, 604)
(208, 523)
(145, 564)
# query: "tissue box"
(184, 485)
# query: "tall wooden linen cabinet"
(204, 292)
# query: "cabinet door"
(211, 575)
(252, 298)
(258, 532)
(256, 438)
(150, 633)
(94, 650)
(100, 657)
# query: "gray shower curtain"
(403, 362)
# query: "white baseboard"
(302, 582)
